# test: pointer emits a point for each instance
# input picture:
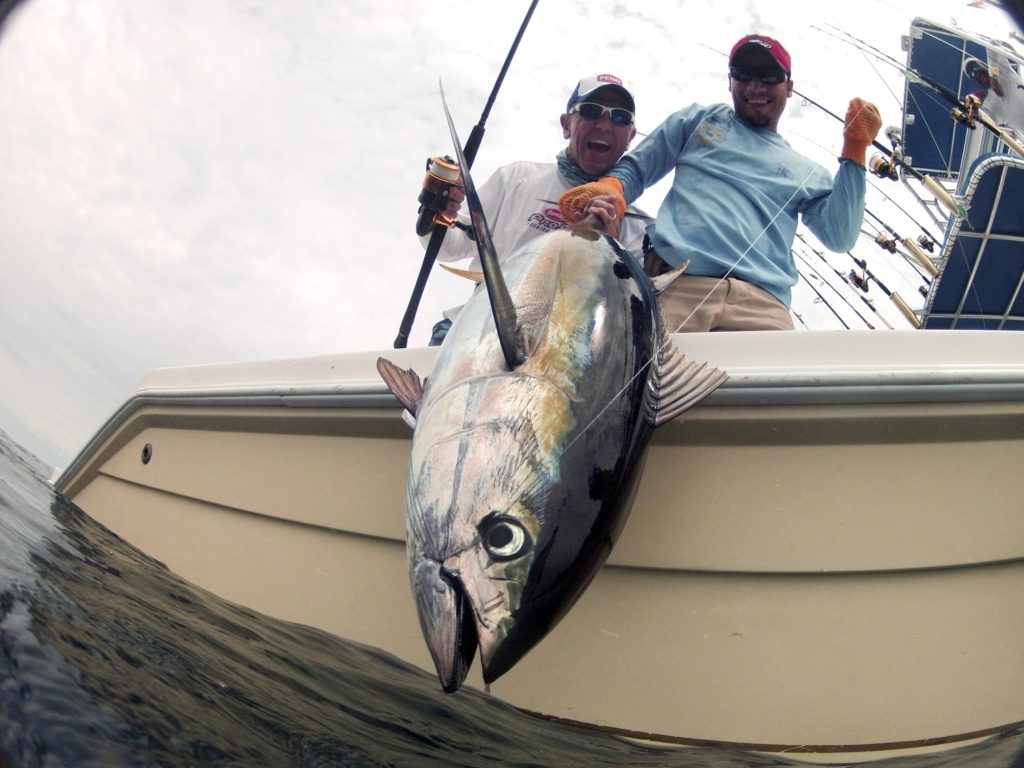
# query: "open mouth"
(598, 145)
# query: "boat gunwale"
(323, 382)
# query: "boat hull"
(825, 557)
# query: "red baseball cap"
(771, 46)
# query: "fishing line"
(692, 369)
(916, 257)
(846, 281)
(818, 293)
(839, 293)
(743, 255)
(988, 44)
(914, 249)
(893, 93)
(668, 338)
(964, 112)
(934, 240)
(893, 62)
(932, 92)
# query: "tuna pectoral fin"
(404, 384)
(447, 622)
(676, 384)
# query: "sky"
(201, 181)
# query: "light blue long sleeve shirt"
(737, 196)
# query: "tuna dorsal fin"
(476, 277)
(502, 308)
(404, 384)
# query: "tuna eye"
(505, 538)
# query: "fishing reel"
(886, 243)
(883, 167)
(858, 281)
(926, 242)
(965, 116)
(442, 174)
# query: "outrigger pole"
(439, 231)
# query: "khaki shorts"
(693, 303)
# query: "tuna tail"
(513, 346)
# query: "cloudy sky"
(193, 181)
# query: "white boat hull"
(825, 557)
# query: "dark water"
(108, 659)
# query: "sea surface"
(109, 659)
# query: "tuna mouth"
(447, 621)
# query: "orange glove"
(573, 202)
(859, 130)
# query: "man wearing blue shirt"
(738, 192)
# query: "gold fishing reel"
(443, 173)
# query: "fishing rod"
(895, 159)
(985, 43)
(894, 297)
(886, 243)
(825, 301)
(846, 279)
(879, 165)
(927, 205)
(823, 108)
(929, 184)
(919, 255)
(886, 168)
(444, 174)
(965, 111)
(864, 47)
(926, 240)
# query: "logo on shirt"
(708, 134)
(783, 171)
(547, 220)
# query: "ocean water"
(109, 659)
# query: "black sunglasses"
(767, 75)
(588, 110)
